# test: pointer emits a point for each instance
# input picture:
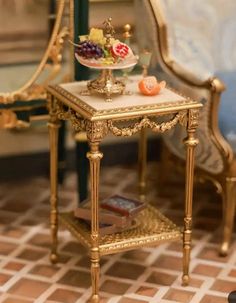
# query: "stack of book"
(117, 213)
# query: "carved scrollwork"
(145, 123)
(96, 130)
(8, 120)
(188, 223)
(69, 114)
(193, 118)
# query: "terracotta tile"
(169, 262)
(29, 222)
(206, 270)
(14, 266)
(45, 270)
(11, 299)
(13, 232)
(41, 240)
(176, 246)
(29, 288)
(128, 300)
(178, 295)
(64, 296)
(232, 273)
(6, 248)
(147, 291)
(195, 282)
(4, 278)
(74, 248)
(207, 208)
(76, 278)
(211, 253)
(18, 206)
(161, 278)
(125, 270)
(31, 254)
(213, 299)
(136, 255)
(63, 258)
(84, 262)
(224, 286)
(113, 287)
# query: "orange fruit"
(150, 87)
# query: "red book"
(123, 205)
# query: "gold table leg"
(190, 142)
(53, 126)
(142, 163)
(95, 157)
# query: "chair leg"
(229, 200)
(82, 168)
(61, 152)
(164, 168)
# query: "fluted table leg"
(53, 126)
(95, 157)
(190, 142)
(142, 162)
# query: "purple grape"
(89, 49)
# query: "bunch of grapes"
(88, 49)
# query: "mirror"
(24, 34)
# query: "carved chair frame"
(225, 181)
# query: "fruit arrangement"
(96, 47)
(149, 86)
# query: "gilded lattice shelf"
(152, 228)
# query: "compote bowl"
(106, 83)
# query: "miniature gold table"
(97, 118)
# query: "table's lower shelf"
(152, 228)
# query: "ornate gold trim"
(145, 123)
(120, 113)
(152, 228)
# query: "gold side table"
(97, 118)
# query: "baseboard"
(29, 165)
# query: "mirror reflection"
(24, 32)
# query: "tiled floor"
(146, 275)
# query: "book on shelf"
(104, 229)
(123, 205)
(115, 210)
(105, 216)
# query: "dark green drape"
(81, 27)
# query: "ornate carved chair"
(18, 108)
(179, 33)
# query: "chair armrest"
(211, 83)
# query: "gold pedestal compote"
(106, 83)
